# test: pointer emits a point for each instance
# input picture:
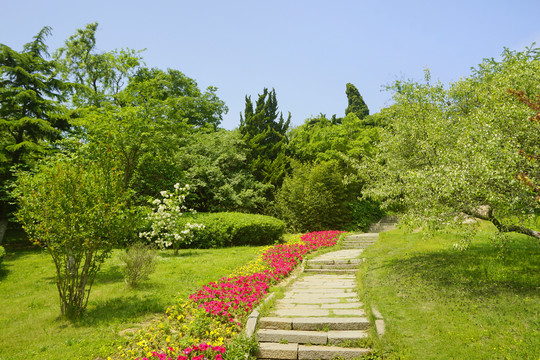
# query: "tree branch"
(500, 226)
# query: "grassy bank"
(29, 307)
(439, 303)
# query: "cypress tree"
(264, 132)
(356, 103)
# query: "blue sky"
(306, 50)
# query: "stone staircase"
(387, 223)
(320, 316)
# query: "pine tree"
(30, 114)
(265, 136)
(356, 104)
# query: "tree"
(96, 77)
(314, 198)
(356, 104)
(149, 122)
(451, 152)
(265, 137)
(214, 164)
(31, 116)
(76, 210)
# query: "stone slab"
(307, 300)
(292, 336)
(301, 312)
(278, 351)
(275, 323)
(347, 305)
(330, 323)
(329, 352)
(335, 336)
(379, 325)
(353, 312)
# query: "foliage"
(319, 139)
(235, 229)
(356, 104)
(31, 116)
(212, 318)
(314, 197)
(2, 254)
(214, 164)
(139, 262)
(265, 137)
(77, 211)
(96, 77)
(467, 305)
(364, 213)
(455, 151)
(165, 219)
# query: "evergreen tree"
(356, 104)
(30, 114)
(265, 137)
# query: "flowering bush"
(199, 328)
(165, 218)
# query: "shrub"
(2, 254)
(167, 220)
(364, 213)
(235, 229)
(314, 198)
(139, 262)
(78, 211)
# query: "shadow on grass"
(182, 253)
(109, 275)
(125, 308)
(476, 272)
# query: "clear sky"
(306, 49)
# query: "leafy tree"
(265, 137)
(97, 77)
(31, 117)
(214, 164)
(76, 210)
(356, 104)
(456, 151)
(314, 198)
(150, 121)
(321, 139)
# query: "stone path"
(320, 316)
(319, 312)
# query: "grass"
(31, 327)
(440, 303)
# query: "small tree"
(168, 229)
(77, 211)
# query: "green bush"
(2, 254)
(235, 229)
(139, 262)
(314, 198)
(364, 213)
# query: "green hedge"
(235, 229)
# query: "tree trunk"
(3, 221)
(488, 215)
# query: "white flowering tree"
(168, 229)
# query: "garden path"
(320, 315)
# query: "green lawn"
(440, 303)
(30, 326)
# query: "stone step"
(331, 271)
(314, 323)
(334, 262)
(278, 351)
(333, 266)
(309, 337)
(307, 352)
